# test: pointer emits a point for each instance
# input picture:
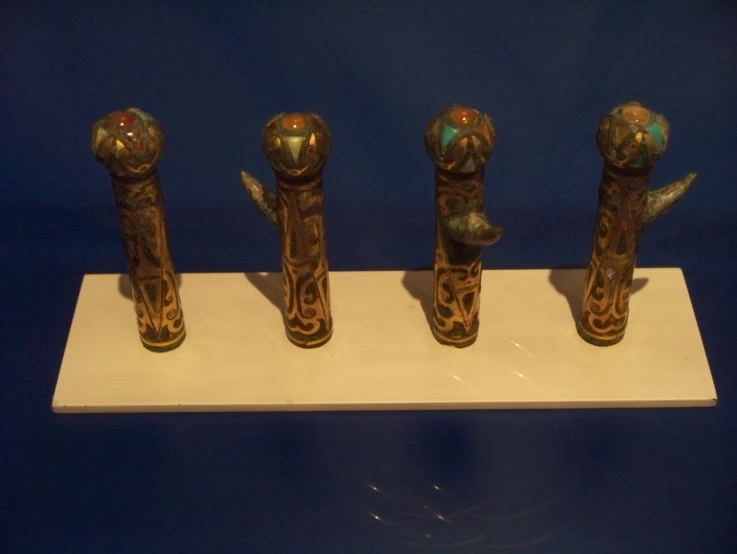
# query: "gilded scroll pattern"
(457, 268)
(605, 305)
(155, 294)
(307, 314)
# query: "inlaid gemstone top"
(460, 139)
(121, 119)
(294, 122)
(636, 114)
(463, 116)
(297, 145)
(632, 136)
(129, 143)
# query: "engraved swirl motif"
(155, 293)
(605, 304)
(457, 268)
(307, 314)
(458, 197)
(456, 306)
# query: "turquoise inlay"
(447, 136)
(654, 131)
(143, 115)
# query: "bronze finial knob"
(128, 143)
(460, 140)
(632, 137)
(297, 145)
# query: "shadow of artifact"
(271, 285)
(419, 284)
(569, 280)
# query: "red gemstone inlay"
(463, 116)
(294, 122)
(121, 119)
(137, 145)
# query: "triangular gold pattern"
(152, 286)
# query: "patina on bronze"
(460, 141)
(130, 144)
(630, 138)
(297, 146)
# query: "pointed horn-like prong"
(264, 198)
(663, 199)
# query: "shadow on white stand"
(382, 355)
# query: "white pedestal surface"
(382, 355)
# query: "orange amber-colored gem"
(636, 114)
(121, 119)
(463, 116)
(294, 122)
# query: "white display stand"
(383, 355)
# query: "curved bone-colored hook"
(264, 198)
(663, 199)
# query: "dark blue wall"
(213, 73)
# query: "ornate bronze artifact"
(297, 146)
(630, 138)
(130, 144)
(460, 141)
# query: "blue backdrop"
(213, 73)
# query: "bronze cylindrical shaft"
(606, 299)
(457, 267)
(130, 144)
(300, 213)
